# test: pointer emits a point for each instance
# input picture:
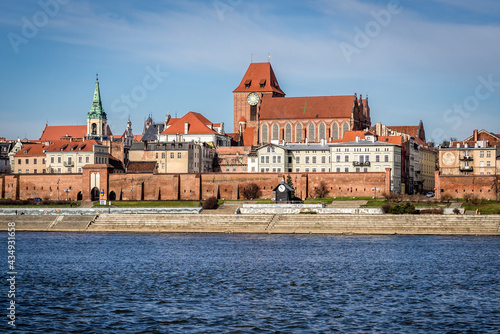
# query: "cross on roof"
(304, 107)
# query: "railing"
(466, 168)
(466, 158)
(360, 163)
(68, 164)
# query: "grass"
(485, 209)
(7, 203)
(152, 204)
(379, 203)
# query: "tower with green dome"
(97, 121)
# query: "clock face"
(281, 188)
(253, 99)
(448, 159)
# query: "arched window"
(276, 132)
(94, 129)
(322, 131)
(335, 131)
(288, 133)
(345, 128)
(265, 137)
(310, 133)
(298, 133)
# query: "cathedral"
(263, 114)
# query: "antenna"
(251, 60)
(268, 57)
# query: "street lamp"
(375, 192)
(67, 193)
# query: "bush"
(446, 198)
(471, 198)
(400, 209)
(388, 196)
(251, 191)
(210, 204)
(386, 208)
(431, 212)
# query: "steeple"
(97, 111)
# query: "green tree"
(290, 183)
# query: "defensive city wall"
(147, 186)
(481, 186)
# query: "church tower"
(259, 80)
(97, 121)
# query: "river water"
(223, 283)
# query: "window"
(34, 161)
(279, 159)
(386, 158)
(481, 164)
(163, 166)
(87, 159)
(267, 159)
(59, 160)
(276, 132)
(345, 128)
(163, 155)
(79, 169)
(298, 133)
(367, 158)
(322, 131)
(297, 159)
(27, 161)
(307, 159)
(59, 170)
(262, 159)
(35, 171)
(79, 159)
(357, 170)
(488, 154)
(27, 172)
(179, 155)
(323, 169)
(481, 154)
(310, 132)
(314, 170)
(70, 170)
(337, 158)
(171, 155)
(290, 160)
(323, 159)
(288, 133)
(488, 163)
(365, 170)
(335, 131)
(314, 159)
(307, 169)
(377, 158)
(69, 160)
(265, 135)
(19, 161)
(346, 158)
(297, 169)
(274, 159)
(156, 155)
(346, 169)
(361, 158)
(262, 170)
(337, 169)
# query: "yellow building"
(427, 166)
(465, 160)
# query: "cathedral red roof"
(56, 132)
(408, 129)
(259, 77)
(197, 124)
(306, 107)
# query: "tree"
(251, 191)
(321, 190)
(290, 183)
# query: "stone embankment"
(264, 223)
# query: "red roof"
(411, 130)
(67, 146)
(350, 136)
(31, 150)
(56, 132)
(248, 136)
(306, 107)
(197, 124)
(259, 77)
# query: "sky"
(430, 60)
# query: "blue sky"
(435, 60)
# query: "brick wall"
(482, 186)
(124, 186)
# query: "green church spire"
(97, 110)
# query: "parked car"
(430, 194)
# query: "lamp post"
(375, 192)
(67, 193)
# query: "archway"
(112, 196)
(79, 197)
(94, 194)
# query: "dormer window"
(248, 83)
(262, 83)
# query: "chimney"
(186, 128)
(475, 135)
(357, 139)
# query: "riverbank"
(262, 223)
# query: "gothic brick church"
(263, 114)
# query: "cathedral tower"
(97, 125)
